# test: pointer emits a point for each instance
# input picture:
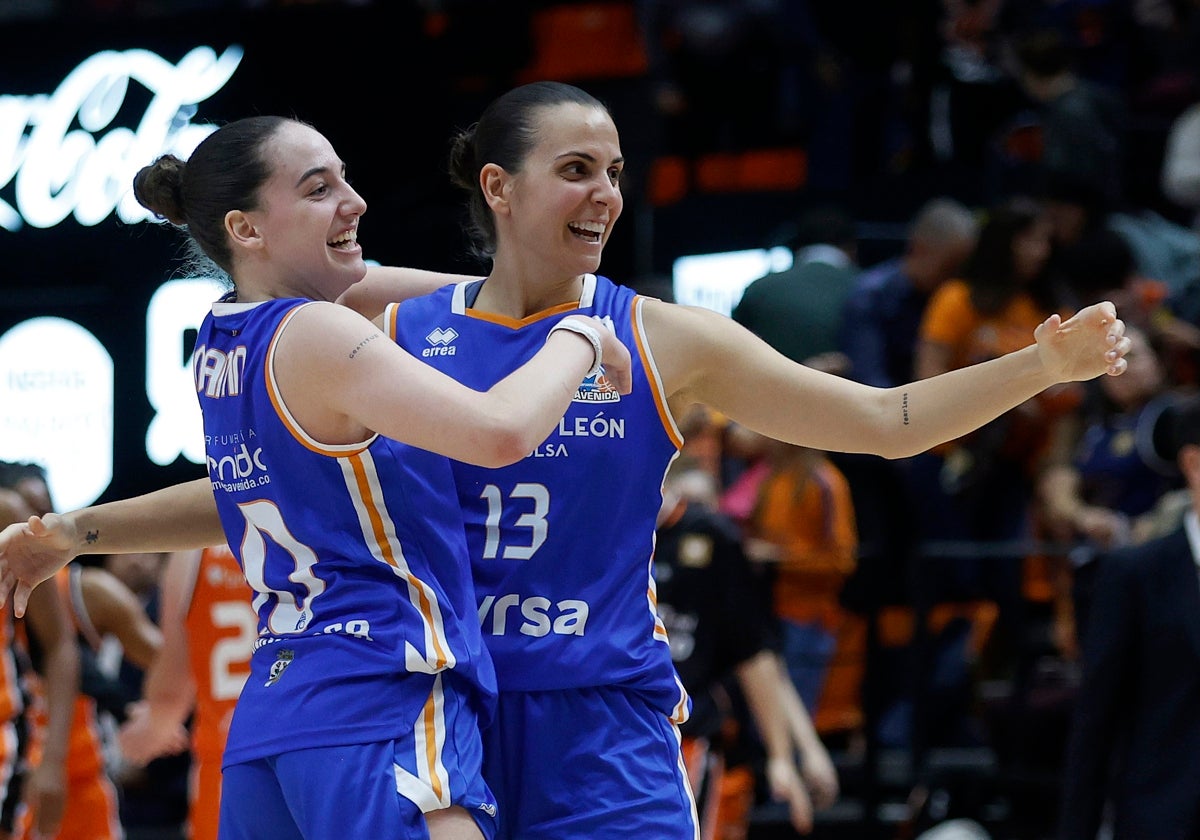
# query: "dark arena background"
(91, 92)
(735, 119)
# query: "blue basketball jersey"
(561, 542)
(356, 555)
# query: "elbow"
(506, 445)
(898, 450)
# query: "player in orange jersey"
(100, 606)
(209, 627)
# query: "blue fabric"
(587, 763)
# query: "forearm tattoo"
(904, 407)
(92, 537)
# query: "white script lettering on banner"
(58, 169)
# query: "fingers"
(7, 581)
(37, 526)
(21, 598)
(800, 810)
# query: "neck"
(516, 297)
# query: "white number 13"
(535, 520)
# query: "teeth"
(590, 227)
(348, 236)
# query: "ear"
(495, 183)
(241, 230)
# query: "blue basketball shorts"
(587, 763)
(378, 790)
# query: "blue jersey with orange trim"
(356, 556)
(561, 542)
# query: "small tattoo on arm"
(92, 537)
(363, 344)
(904, 407)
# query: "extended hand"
(786, 786)
(31, 552)
(147, 734)
(1089, 343)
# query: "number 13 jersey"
(561, 542)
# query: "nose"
(354, 204)
(607, 193)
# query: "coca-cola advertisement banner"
(97, 311)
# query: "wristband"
(590, 333)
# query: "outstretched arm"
(178, 517)
(707, 358)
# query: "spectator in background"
(799, 311)
(1135, 732)
(880, 329)
(980, 488)
(803, 527)
(1082, 123)
(711, 607)
(1005, 287)
(1181, 163)
(883, 311)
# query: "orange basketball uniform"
(221, 629)
(92, 811)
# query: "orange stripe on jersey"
(281, 409)
(381, 534)
(429, 716)
(656, 384)
(517, 323)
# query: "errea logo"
(441, 342)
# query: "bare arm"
(388, 284)
(371, 384)
(759, 678)
(46, 788)
(707, 358)
(178, 517)
(115, 611)
(156, 724)
(815, 764)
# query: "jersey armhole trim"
(281, 409)
(652, 375)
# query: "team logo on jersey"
(597, 389)
(283, 659)
(441, 342)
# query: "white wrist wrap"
(588, 332)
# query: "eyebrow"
(316, 170)
(589, 158)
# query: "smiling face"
(560, 208)
(302, 239)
